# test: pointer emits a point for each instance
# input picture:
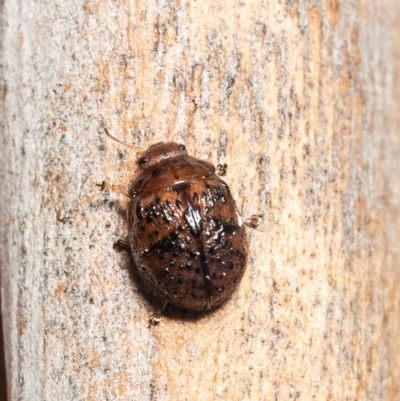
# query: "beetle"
(186, 235)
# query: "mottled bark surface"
(3, 385)
(300, 99)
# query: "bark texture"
(300, 99)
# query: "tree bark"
(300, 99)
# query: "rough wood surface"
(300, 99)
(3, 385)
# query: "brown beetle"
(185, 233)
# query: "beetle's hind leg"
(155, 317)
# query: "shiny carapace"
(185, 232)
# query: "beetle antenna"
(175, 137)
(136, 148)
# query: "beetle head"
(159, 152)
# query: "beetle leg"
(122, 245)
(253, 221)
(104, 186)
(209, 303)
(221, 169)
(155, 317)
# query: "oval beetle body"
(185, 233)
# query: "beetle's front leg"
(253, 221)
(121, 189)
(122, 245)
(221, 169)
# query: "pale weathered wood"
(301, 99)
